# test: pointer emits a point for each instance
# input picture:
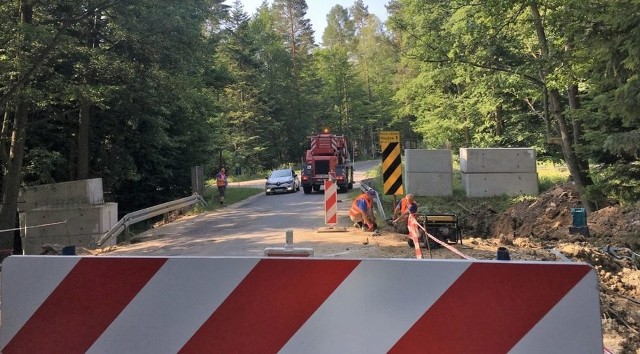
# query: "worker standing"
(361, 212)
(401, 213)
(221, 183)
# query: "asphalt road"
(248, 227)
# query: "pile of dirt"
(547, 218)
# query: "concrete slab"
(79, 225)
(428, 160)
(495, 184)
(498, 160)
(87, 191)
(429, 184)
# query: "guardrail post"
(127, 232)
(288, 239)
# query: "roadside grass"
(551, 174)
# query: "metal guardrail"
(364, 188)
(148, 213)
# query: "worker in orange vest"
(221, 183)
(401, 213)
(361, 212)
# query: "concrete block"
(495, 184)
(499, 160)
(429, 184)
(87, 191)
(428, 160)
(79, 225)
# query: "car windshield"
(281, 173)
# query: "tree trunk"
(12, 177)
(574, 104)
(12, 173)
(4, 138)
(580, 177)
(83, 140)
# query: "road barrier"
(72, 304)
(330, 203)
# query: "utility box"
(579, 216)
(579, 222)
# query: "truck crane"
(327, 156)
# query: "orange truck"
(327, 157)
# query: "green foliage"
(487, 74)
(140, 70)
(618, 181)
(340, 30)
(169, 87)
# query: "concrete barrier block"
(86, 191)
(78, 226)
(428, 160)
(499, 160)
(495, 184)
(429, 184)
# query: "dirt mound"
(617, 225)
(547, 218)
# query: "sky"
(318, 10)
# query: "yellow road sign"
(389, 137)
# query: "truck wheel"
(344, 189)
(316, 187)
(306, 189)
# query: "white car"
(285, 180)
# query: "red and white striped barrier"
(414, 234)
(330, 203)
(55, 304)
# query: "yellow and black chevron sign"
(391, 163)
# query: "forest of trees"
(137, 93)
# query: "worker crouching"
(361, 212)
(401, 214)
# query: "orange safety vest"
(220, 180)
(404, 205)
(354, 206)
